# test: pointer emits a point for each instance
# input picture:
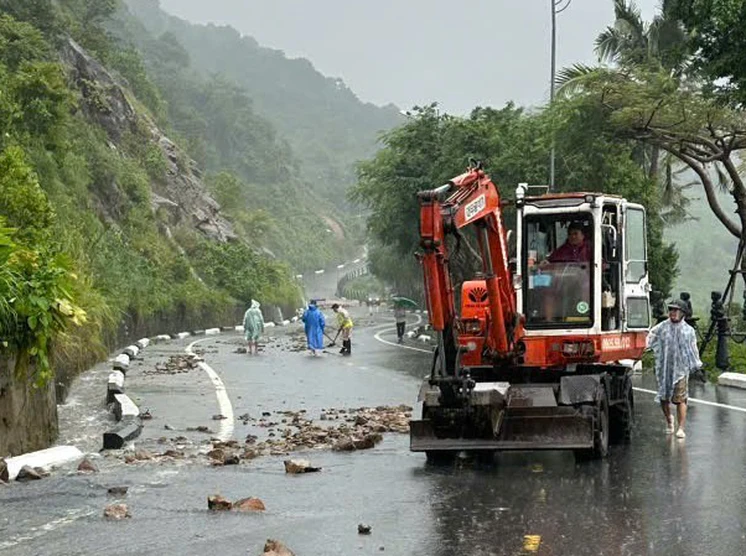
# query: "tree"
(718, 30)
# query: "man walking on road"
(314, 322)
(674, 344)
(253, 324)
(400, 315)
(345, 326)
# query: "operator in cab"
(576, 249)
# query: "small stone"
(146, 415)
(87, 466)
(219, 417)
(143, 455)
(218, 503)
(118, 491)
(296, 466)
(276, 548)
(129, 458)
(172, 454)
(231, 460)
(216, 454)
(168, 427)
(363, 529)
(28, 474)
(117, 511)
(249, 505)
(345, 445)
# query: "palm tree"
(629, 46)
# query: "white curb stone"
(735, 380)
(115, 385)
(182, 335)
(424, 339)
(143, 343)
(239, 328)
(269, 325)
(121, 363)
(132, 351)
(162, 338)
(43, 458)
(212, 331)
(124, 407)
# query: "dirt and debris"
(276, 548)
(219, 417)
(175, 364)
(218, 503)
(297, 466)
(28, 473)
(146, 415)
(87, 466)
(117, 511)
(201, 428)
(363, 529)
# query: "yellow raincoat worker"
(344, 323)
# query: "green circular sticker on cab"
(582, 307)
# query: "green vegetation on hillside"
(80, 241)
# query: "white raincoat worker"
(674, 344)
(253, 324)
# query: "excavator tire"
(621, 417)
(601, 433)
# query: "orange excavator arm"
(473, 199)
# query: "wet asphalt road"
(655, 496)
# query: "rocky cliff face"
(182, 193)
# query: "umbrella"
(404, 302)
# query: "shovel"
(334, 341)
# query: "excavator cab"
(539, 354)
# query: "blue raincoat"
(315, 323)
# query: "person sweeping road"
(314, 322)
(253, 324)
(344, 323)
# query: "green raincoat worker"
(253, 324)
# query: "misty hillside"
(327, 126)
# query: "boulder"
(296, 466)
(218, 503)
(28, 473)
(276, 548)
(117, 511)
(87, 466)
(249, 505)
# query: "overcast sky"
(460, 53)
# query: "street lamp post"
(558, 6)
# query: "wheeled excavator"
(540, 355)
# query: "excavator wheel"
(601, 434)
(622, 416)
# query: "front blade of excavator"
(531, 420)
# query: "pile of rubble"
(176, 364)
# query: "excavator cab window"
(558, 251)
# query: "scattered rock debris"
(218, 503)
(175, 364)
(117, 511)
(363, 529)
(297, 466)
(87, 466)
(276, 548)
(146, 415)
(28, 473)
(219, 417)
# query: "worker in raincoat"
(314, 322)
(344, 323)
(674, 344)
(253, 325)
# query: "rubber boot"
(347, 347)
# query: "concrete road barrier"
(124, 407)
(182, 335)
(240, 328)
(198, 332)
(121, 363)
(285, 322)
(131, 351)
(162, 338)
(143, 343)
(43, 458)
(227, 328)
(127, 430)
(269, 325)
(212, 331)
(424, 339)
(734, 380)
(410, 334)
(115, 385)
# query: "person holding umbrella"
(400, 314)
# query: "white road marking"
(697, 400)
(637, 389)
(225, 430)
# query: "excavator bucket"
(530, 419)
